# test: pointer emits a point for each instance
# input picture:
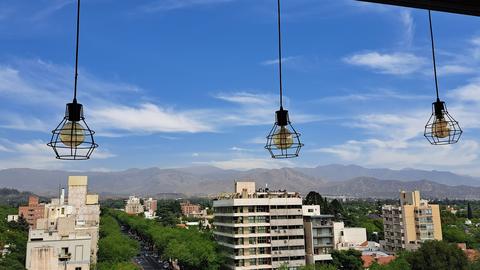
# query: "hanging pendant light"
(283, 141)
(72, 139)
(441, 128)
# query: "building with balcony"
(67, 236)
(260, 229)
(33, 211)
(319, 235)
(134, 206)
(190, 209)
(412, 222)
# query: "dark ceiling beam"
(466, 7)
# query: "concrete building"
(323, 235)
(408, 225)
(319, 235)
(348, 237)
(133, 206)
(260, 229)
(33, 211)
(12, 218)
(150, 205)
(67, 236)
(189, 209)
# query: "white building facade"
(260, 229)
(67, 237)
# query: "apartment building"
(406, 226)
(33, 211)
(133, 206)
(66, 238)
(189, 209)
(150, 205)
(260, 229)
(319, 235)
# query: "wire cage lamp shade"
(442, 128)
(73, 139)
(283, 141)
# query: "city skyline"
(180, 83)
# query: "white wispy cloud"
(246, 98)
(115, 108)
(36, 154)
(395, 140)
(151, 118)
(398, 63)
(248, 163)
(369, 96)
(409, 26)
(451, 69)
(167, 5)
(275, 61)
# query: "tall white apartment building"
(260, 229)
(66, 238)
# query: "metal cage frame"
(282, 120)
(439, 111)
(73, 114)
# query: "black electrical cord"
(280, 55)
(76, 52)
(433, 54)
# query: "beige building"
(260, 229)
(408, 225)
(133, 206)
(67, 236)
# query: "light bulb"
(72, 134)
(440, 128)
(283, 139)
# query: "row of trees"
(14, 234)
(193, 249)
(115, 250)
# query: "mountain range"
(348, 180)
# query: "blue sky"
(193, 82)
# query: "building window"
(78, 268)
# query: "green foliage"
(397, 264)
(16, 235)
(113, 203)
(437, 255)
(116, 250)
(347, 259)
(474, 265)
(194, 250)
(117, 266)
(321, 267)
(168, 212)
(469, 211)
(456, 234)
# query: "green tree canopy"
(437, 255)
(347, 259)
